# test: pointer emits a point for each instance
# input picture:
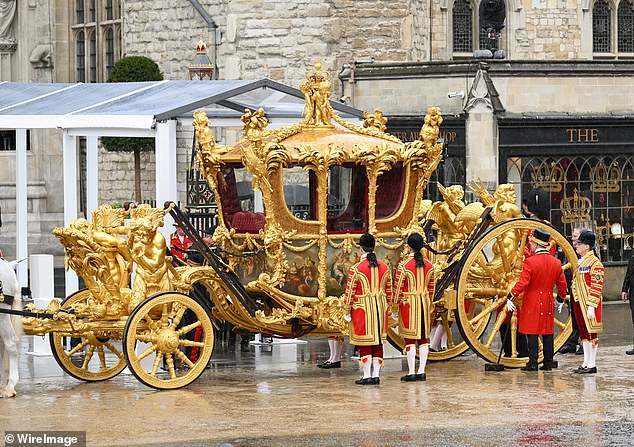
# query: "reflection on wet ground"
(276, 396)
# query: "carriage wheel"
(455, 343)
(159, 338)
(97, 354)
(490, 269)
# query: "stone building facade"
(401, 56)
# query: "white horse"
(10, 330)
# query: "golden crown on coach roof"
(605, 179)
(547, 177)
(575, 209)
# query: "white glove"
(560, 307)
(510, 306)
(347, 317)
(590, 312)
(395, 315)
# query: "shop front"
(452, 170)
(585, 164)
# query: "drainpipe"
(212, 28)
(348, 71)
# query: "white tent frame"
(84, 122)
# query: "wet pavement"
(276, 396)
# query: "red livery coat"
(587, 290)
(367, 296)
(414, 292)
(540, 273)
(179, 245)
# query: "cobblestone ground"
(276, 396)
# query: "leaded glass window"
(93, 57)
(601, 25)
(97, 31)
(594, 192)
(92, 10)
(79, 11)
(625, 21)
(109, 51)
(80, 52)
(108, 8)
(462, 27)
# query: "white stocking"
(411, 359)
(332, 346)
(586, 353)
(434, 336)
(337, 351)
(443, 339)
(376, 367)
(592, 357)
(423, 352)
(367, 366)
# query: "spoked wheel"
(168, 340)
(455, 343)
(94, 356)
(490, 269)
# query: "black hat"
(587, 237)
(367, 242)
(541, 237)
(415, 241)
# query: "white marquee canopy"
(130, 109)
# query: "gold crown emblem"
(605, 179)
(575, 209)
(548, 178)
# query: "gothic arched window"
(93, 57)
(97, 32)
(625, 28)
(462, 27)
(109, 37)
(601, 27)
(80, 54)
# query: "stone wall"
(278, 39)
(546, 30)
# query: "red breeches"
(374, 351)
(421, 341)
(581, 323)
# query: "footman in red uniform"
(368, 294)
(540, 273)
(413, 292)
(587, 292)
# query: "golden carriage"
(277, 264)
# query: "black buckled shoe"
(421, 377)
(375, 381)
(546, 367)
(529, 368)
(579, 369)
(592, 370)
(366, 381)
(409, 378)
(568, 349)
(330, 365)
(630, 352)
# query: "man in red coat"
(366, 299)
(179, 242)
(587, 292)
(540, 273)
(414, 292)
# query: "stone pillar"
(482, 130)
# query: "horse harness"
(6, 299)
